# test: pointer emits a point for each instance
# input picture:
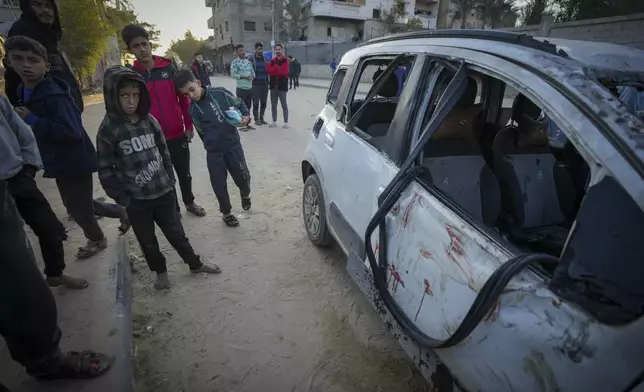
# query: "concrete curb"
(121, 276)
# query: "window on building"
(226, 24)
(268, 26)
(376, 13)
(249, 26)
(329, 33)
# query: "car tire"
(314, 214)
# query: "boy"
(67, 152)
(135, 169)
(168, 107)
(241, 69)
(220, 138)
(200, 69)
(19, 162)
(278, 69)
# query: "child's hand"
(22, 111)
(190, 134)
(245, 121)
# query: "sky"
(174, 17)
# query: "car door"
(358, 166)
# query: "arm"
(233, 70)
(163, 147)
(285, 68)
(252, 71)
(63, 122)
(239, 104)
(195, 121)
(107, 174)
(24, 134)
(271, 68)
(184, 103)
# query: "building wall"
(323, 29)
(624, 30)
(232, 20)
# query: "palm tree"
(498, 13)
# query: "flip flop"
(85, 364)
(231, 221)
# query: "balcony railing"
(211, 24)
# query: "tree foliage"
(186, 47)
(87, 26)
(498, 13)
(391, 16)
(85, 33)
(293, 24)
(464, 8)
(566, 10)
(533, 11)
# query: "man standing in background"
(294, 73)
(242, 70)
(260, 84)
(200, 69)
(333, 66)
(278, 70)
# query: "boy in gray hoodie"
(135, 170)
(19, 162)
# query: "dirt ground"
(283, 315)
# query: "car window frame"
(395, 138)
(340, 71)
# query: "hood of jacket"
(159, 62)
(50, 86)
(29, 25)
(113, 80)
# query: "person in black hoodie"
(40, 21)
(200, 69)
(67, 153)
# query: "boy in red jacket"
(277, 70)
(169, 108)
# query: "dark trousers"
(78, 196)
(38, 214)
(219, 165)
(294, 81)
(27, 307)
(180, 154)
(162, 211)
(260, 97)
(246, 96)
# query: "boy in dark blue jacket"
(220, 138)
(67, 153)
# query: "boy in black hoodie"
(67, 152)
(40, 21)
(135, 169)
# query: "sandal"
(245, 202)
(67, 281)
(91, 248)
(195, 209)
(231, 220)
(85, 364)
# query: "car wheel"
(314, 213)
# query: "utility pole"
(273, 27)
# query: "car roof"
(573, 67)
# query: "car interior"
(379, 112)
(504, 173)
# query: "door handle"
(328, 140)
(319, 123)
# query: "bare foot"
(163, 282)
(67, 281)
(209, 269)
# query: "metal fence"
(318, 53)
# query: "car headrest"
(390, 88)
(459, 124)
(469, 95)
(524, 110)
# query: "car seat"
(456, 165)
(537, 192)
